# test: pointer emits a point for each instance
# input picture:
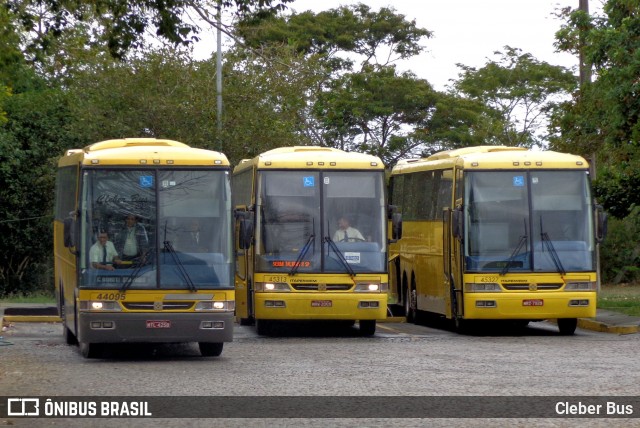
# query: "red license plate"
(158, 324)
(533, 302)
(321, 303)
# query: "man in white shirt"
(346, 233)
(103, 254)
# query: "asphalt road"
(400, 360)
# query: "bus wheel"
(367, 327)
(567, 326)
(89, 350)
(208, 349)
(410, 305)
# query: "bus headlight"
(216, 305)
(100, 306)
(372, 287)
(481, 287)
(272, 287)
(580, 286)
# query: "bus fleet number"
(110, 296)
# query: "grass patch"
(38, 297)
(624, 298)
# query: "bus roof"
(311, 157)
(142, 151)
(493, 157)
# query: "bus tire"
(89, 350)
(208, 349)
(567, 326)
(410, 304)
(367, 327)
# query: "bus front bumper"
(538, 306)
(321, 306)
(119, 327)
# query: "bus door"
(244, 284)
(452, 231)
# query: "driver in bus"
(103, 254)
(346, 233)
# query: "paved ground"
(605, 321)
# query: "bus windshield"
(155, 229)
(528, 221)
(320, 221)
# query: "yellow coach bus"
(312, 237)
(143, 245)
(496, 233)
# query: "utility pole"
(585, 69)
(219, 78)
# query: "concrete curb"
(593, 325)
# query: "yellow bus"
(312, 237)
(143, 245)
(496, 233)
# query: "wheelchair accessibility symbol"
(308, 181)
(518, 181)
(146, 181)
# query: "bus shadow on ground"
(147, 351)
(312, 329)
(486, 328)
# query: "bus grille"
(532, 287)
(164, 306)
(322, 287)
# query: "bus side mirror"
(396, 226)
(601, 223)
(70, 231)
(457, 222)
(245, 223)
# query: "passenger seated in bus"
(132, 242)
(346, 233)
(103, 254)
(192, 240)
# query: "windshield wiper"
(516, 252)
(136, 271)
(335, 248)
(303, 252)
(169, 248)
(546, 241)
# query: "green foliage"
(519, 90)
(620, 253)
(369, 111)
(604, 117)
(34, 134)
(355, 29)
(121, 25)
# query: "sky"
(470, 31)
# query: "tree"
(604, 116)
(122, 24)
(349, 106)
(34, 135)
(376, 111)
(521, 90)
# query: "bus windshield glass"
(528, 221)
(321, 221)
(155, 229)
